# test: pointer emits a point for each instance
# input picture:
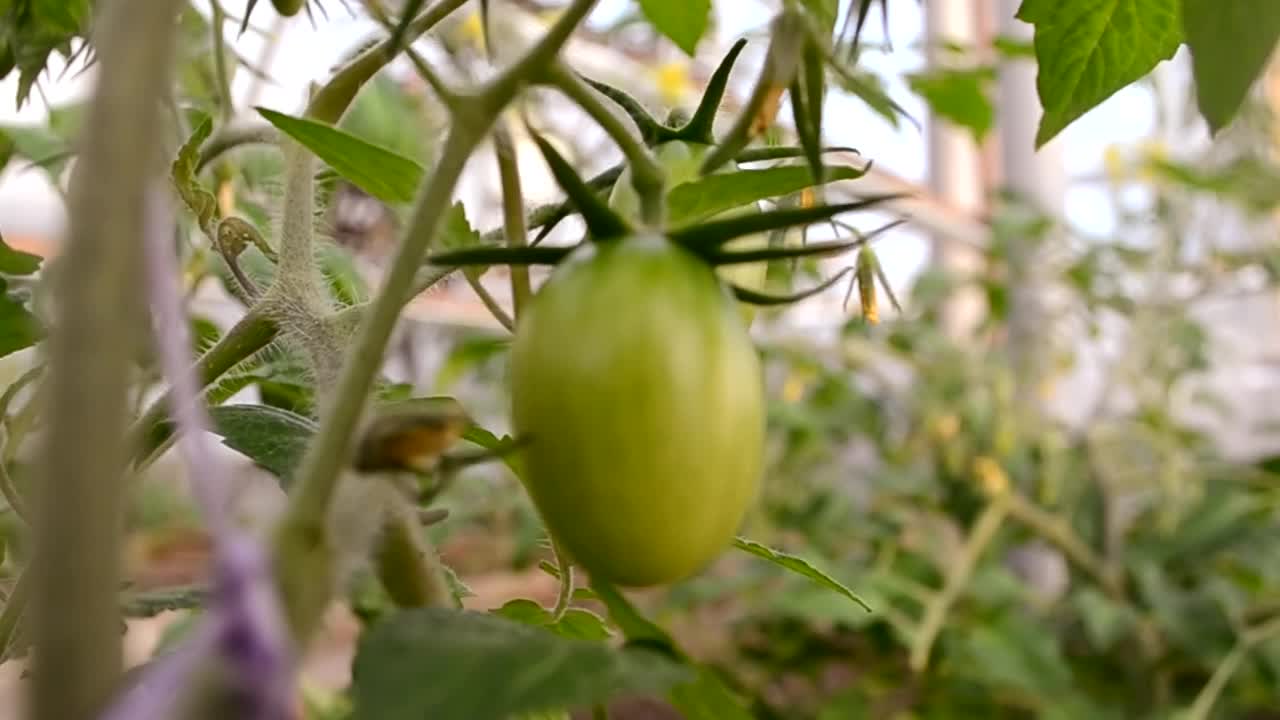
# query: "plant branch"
(566, 582)
(230, 137)
(216, 22)
(935, 614)
(1202, 707)
(407, 567)
(253, 332)
(647, 175)
(489, 301)
(332, 100)
(513, 220)
(1056, 530)
(79, 504)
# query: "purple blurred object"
(243, 635)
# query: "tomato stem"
(647, 176)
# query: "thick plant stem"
(79, 501)
(304, 561)
(935, 615)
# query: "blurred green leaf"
(383, 174)
(1230, 43)
(19, 328)
(713, 194)
(17, 262)
(684, 22)
(960, 96)
(462, 664)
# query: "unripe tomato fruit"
(681, 160)
(640, 393)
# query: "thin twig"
(513, 221)
(490, 302)
(566, 582)
(935, 614)
(1202, 707)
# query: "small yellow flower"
(990, 476)
(672, 80)
(794, 387)
(473, 30)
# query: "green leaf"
(704, 697)
(824, 13)
(275, 439)
(1089, 49)
(960, 96)
(713, 194)
(19, 329)
(708, 698)
(383, 174)
(1230, 41)
(443, 663)
(634, 626)
(797, 565)
(576, 623)
(17, 262)
(683, 21)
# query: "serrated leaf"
(17, 262)
(1231, 42)
(198, 200)
(1089, 49)
(683, 21)
(443, 663)
(272, 438)
(386, 175)
(713, 194)
(797, 565)
(959, 96)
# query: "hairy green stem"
(79, 503)
(304, 556)
(253, 332)
(230, 137)
(513, 222)
(565, 595)
(647, 175)
(935, 614)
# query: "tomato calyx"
(706, 240)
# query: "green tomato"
(640, 392)
(681, 160)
